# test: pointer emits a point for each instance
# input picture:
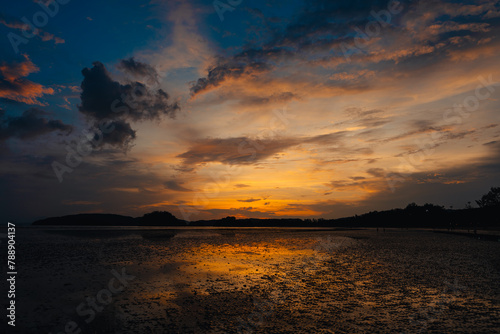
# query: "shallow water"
(256, 281)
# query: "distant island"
(413, 216)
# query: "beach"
(255, 280)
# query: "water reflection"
(214, 275)
(262, 281)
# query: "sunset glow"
(281, 109)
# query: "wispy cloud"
(16, 24)
(14, 85)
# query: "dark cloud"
(103, 98)
(334, 142)
(138, 69)
(249, 200)
(416, 127)
(458, 135)
(225, 69)
(422, 35)
(134, 101)
(357, 113)
(314, 30)
(273, 98)
(120, 134)
(356, 182)
(30, 124)
(320, 18)
(327, 139)
(374, 122)
(234, 151)
(377, 172)
(175, 185)
(247, 151)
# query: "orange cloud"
(14, 86)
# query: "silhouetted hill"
(88, 219)
(159, 218)
(156, 218)
(413, 216)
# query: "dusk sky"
(259, 109)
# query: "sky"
(265, 109)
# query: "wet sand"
(255, 281)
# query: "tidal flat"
(255, 280)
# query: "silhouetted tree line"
(491, 199)
(486, 216)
